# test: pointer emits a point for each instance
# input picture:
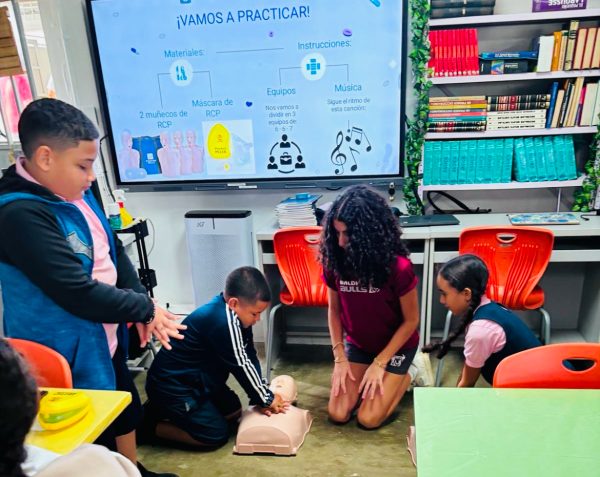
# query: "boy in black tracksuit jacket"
(187, 387)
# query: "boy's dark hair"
(464, 271)
(247, 284)
(18, 408)
(374, 234)
(54, 123)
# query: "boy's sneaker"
(420, 370)
(147, 473)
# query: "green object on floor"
(507, 432)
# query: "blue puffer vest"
(30, 314)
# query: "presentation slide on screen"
(202, 90)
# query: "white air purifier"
(219, 241)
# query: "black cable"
(593, 214)
(463, 207)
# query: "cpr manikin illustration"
(196, 152)
(129, 158)
(168, 157)
(184, 155)
(280, 434)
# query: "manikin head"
(126, 139)
(164, 139)
(177, 138)
(190, 137)
(285, 386)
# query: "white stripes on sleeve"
(242, 359)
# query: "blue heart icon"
(248, 103)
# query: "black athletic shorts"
(399, 363)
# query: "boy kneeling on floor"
(189, 400)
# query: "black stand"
(147, 275)
(148, 278)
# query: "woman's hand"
(341, 371)
(164, 326)
(279, 405)
(372, 380)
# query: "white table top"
(583, 229)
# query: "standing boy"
(187, 386)
(66, 281)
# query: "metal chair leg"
(545, 328)
(270, 327)
(440, 366)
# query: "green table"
(486, 432)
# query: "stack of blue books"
(297, 210)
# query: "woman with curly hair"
(373, 301)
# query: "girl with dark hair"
(492, 331)
(373, 301)
(18, 408)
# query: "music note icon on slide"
(338, 158)
(359, 139)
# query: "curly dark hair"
(374, 238)
(18, 408)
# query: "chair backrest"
(545, 367)
(516, 258)
(49, 368)
(296, 252)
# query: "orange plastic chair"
(544, 367)
(49, 368)
(516, 258)
(296, 252)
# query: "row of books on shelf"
(456, 53)
(461, 8)
(480, 113)
(573, 49)
(453, 52)
(499, 160)
(576, 104)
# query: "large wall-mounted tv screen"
(237, 93)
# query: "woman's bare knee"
(338, 415)
(369, 420)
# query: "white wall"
(66, 34)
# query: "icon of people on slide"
(195, 152)
(281, 150)
(128, 158)
(168, 157)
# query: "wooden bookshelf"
(551, 75)
(432, 136)
(515, 18)
(506, 185)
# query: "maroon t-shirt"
(370, 316)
